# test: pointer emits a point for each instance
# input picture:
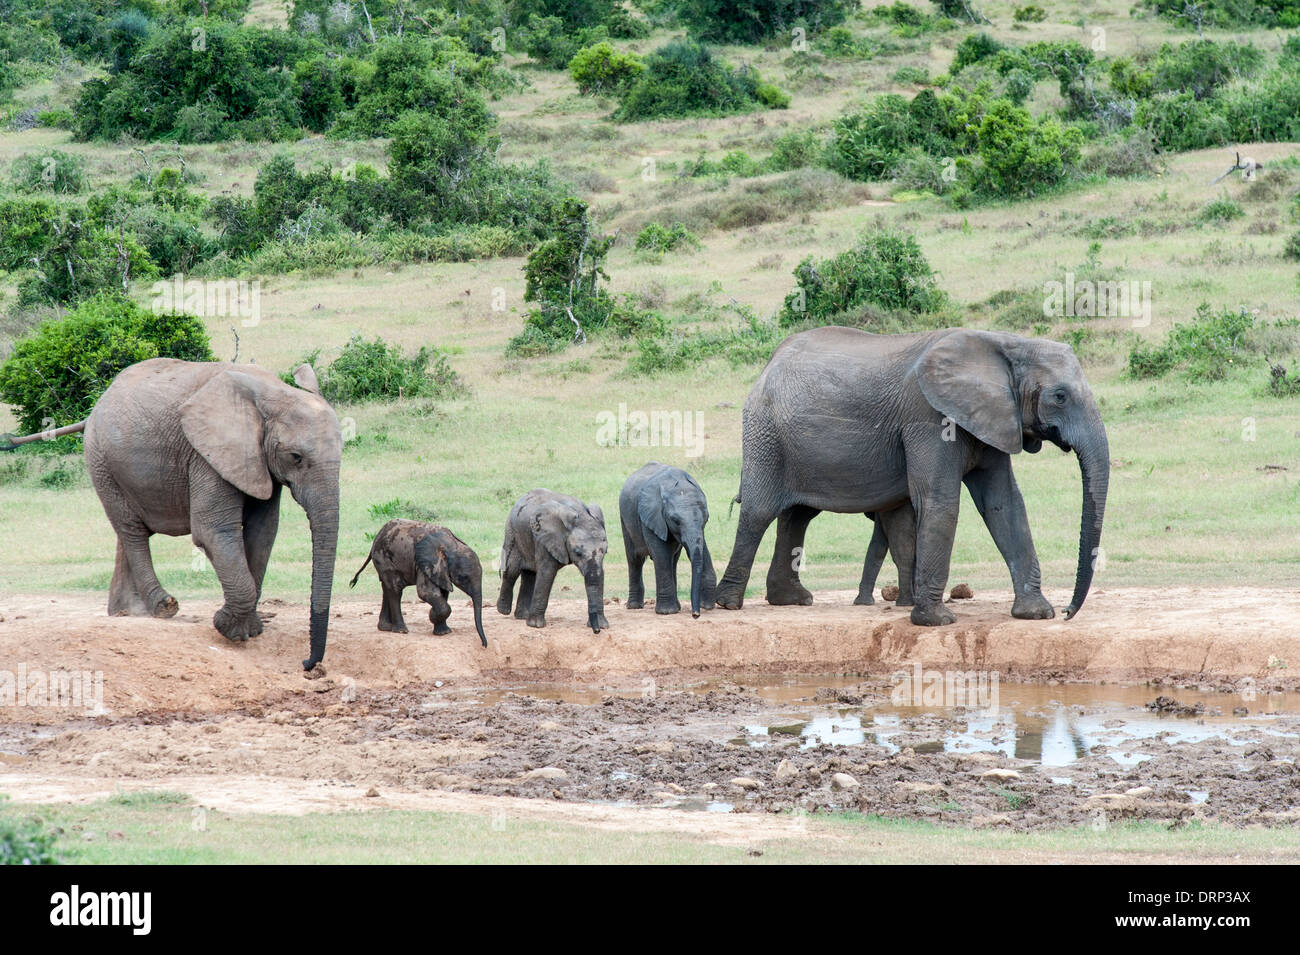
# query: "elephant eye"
(295, 457)
(1060, 397)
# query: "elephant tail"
(353, 581)
(10, 443)
(734, 501)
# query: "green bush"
(603, 69)
(1292, 248)
(379, 371)
(1205, 349)
(1221, 210)
(58, 373)
(684, 78)
(751, 21)
(885, 269)
(657, 238)
(796, 149)
(1030, 13)
(81, 259)
(1021, 155)
(25, 841)
(52, 171)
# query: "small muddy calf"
(434, 560)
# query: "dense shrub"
(658, 238)
(603, 69)
(1021, 155)
(25, 841)
(1205, 349)
(379, 371)
(53, 171)
(685, 79)
(750, 21)
(59, 372)
(1229, 13)
(886, 269)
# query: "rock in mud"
(1000, 775)
(1167, 704)
(961, 592)
(785, 771)
(546, 772)
(844, 781)
(744, 782)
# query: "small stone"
(662, 746)
(666, 796)
(709, 787)
(674, 788)
(744, 782)
(961, 592)
(372, 793)
(785, 771)
(546, 772)
(844, 781)
(1139, 791)
(1000, 775)
(889, 593)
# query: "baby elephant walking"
(434, 559)
(544, 532)
(663, 512)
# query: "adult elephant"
(203, 448)
(842, 420)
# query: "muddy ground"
(411, 721)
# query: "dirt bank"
(184, 665)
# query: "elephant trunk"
(1094, 465)
(595, 583)
(699, 571)
(323, 515)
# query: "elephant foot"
(729, 596)
(636, 604)
(864, 599)
(440, 628)
(672, 605)
(789, 595)
(597, 621)
(167, 607)
(503, 606)
(535, 620)
(936, 615)
(1032, 607)
(237, 627)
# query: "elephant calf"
(434, 559)
(663, 511)
(544, 532)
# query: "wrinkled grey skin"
(842, 420)
(544, 532)
(434, 560)
(663, 512)
(203, 448)
(894, 533)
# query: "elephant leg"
(899, 526)
(261, 521)
(876, 552)
(509, 573)
(390, 618)
(217, 527)
(541, 593)
(636, 573)
(123, 599)
(755, 516)
(783, 585)
(158, 603)
(665, 557)
(936, 495)
(527, 587)
(994, 490)
(439, 611)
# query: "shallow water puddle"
(1048, 725)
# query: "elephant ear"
(305, 376)
(551, 530)
(595, 511)
(650, 508)
(704, 499)
(966, 376)
(432, 563)
(224, 424)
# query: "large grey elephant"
(842, 420)
(544, 532)
(663, 511)
(203, 448)
(434, 560)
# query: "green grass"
(159, 832)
